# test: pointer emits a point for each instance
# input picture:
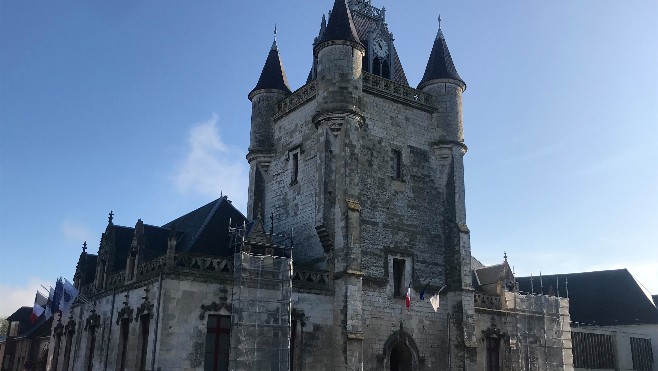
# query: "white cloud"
(14, 297)
(211, 166)
(76, 232)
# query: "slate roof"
(22, 314)
(489, 274)
(123, 238)
(440, 64)
(205, 230)
(202, 231)
(603, 298)
(655, 300)
(340, 25)
(273, 75)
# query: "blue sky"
(141, 107)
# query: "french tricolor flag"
(407, 299)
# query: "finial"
(84, 247)
(110, 218)
(275, 31)
(505, 256)
(439, 21)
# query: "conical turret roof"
(440, 64)
(273, 76)
(340, 25)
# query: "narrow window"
(123, 345)
(295, 167)
(398, 276)
(218, 339)
(58, 344)
(144, 324)
(67, 351)
(92, 349)
(396, 162)
(493, 354)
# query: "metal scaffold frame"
(261, 300)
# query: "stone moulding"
(398, 92)
(296, 99)
(487, 301)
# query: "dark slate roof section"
(90, 274)
(340, 25)
(123, 239)
(603, 298)
(440, 64)
(273, 75)
(205, 230)
(156, 241)
(42, 327)
(655, 300)
(21, 315)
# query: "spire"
(340, 25)
(273, 76)
(440, 65)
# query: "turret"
(339, 55)
(442, 80)
(272, 88)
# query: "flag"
(69, 293)
(41, 299)
(49, 302)
(37, 309)
(57, 296)
(422, 292)
(434, 300)
(407, 300)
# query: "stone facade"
(366, 174)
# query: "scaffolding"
(261, 304)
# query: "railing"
(151, 267)
(487, 301)
(207, 264)
(394, 90)
(311, 278)
(298, 97)
(115, 280)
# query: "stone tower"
(368, 172)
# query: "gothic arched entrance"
(400, 353)
(401, 357)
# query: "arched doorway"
(401, 358)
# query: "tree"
(4, 326)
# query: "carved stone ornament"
(59, 328)
(213, 307)
(70, 325)
(125, 312)
(493, 332)
(353, 204)
(92, 321)
(146, 308)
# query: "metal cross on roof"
(439, 21)
(111, 217)
(84, 247)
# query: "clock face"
(380, 48)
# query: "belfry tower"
(369, 174)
